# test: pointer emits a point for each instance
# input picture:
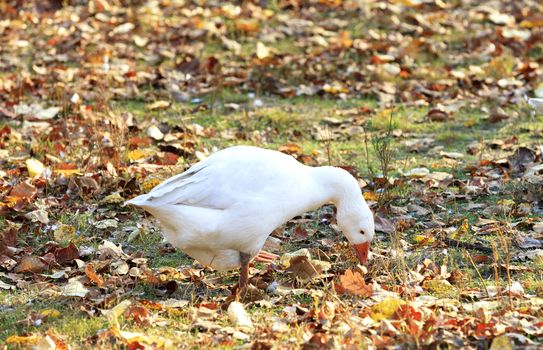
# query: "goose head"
(358, 226)
(354, 216)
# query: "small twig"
(459, 244)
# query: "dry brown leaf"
(437, 115)
(23, 190)
(64, 255)
(384, 225)
(299, 233)
(30, 263)
(303, 268)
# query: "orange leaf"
(93, 276)
(247, 26)
(354, 284)
(138, 313)
(291, 148)
(59, 343)
(371, 196)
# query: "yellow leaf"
(408, 3)
(335, 88)
(506, 202)
(113, 198)
(532, 23)
(64, 233)
(500, 67)
(34, 167)
(439, 288)
(463, 230)
(502, 342)
(423, 239)
(157, 105)
(23, 340)
(470, 123)
(371, 196)
(149, 184)
(51, 313)
(386, 309)
(137, 154)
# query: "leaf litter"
(72, 151)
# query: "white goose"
(222, 209)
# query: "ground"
(425, 102)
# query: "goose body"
(221, 210)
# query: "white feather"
(231, 202)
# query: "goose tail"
(139, 201)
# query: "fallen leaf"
(174, 303)
(30, 263)
(38, 215)
(502, 342)
(107, 223)
(64, 255)
(64, 233)
(157, 105)
(51, 313)
(423, 239)
(139, 314)
(119, 267)
(23, 190)
(238, 315)
(384, 225)
(436, 115)
(114, 198)
(74, 288)
(291, 148)
(154, 132)
(116, 311)
(525, 242)
(371, 196)
(34, 167)
(386, 309)
(92, 275)
(299, 233)
(440, 288)
(417, 172)
(262, 51)
(23, 340)
(247, 25)
(353, 283)
(305, 269)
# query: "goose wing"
(234, 175)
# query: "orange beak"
(362, 251)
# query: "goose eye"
(362, 232)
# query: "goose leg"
(244, 272)
(265, 257)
